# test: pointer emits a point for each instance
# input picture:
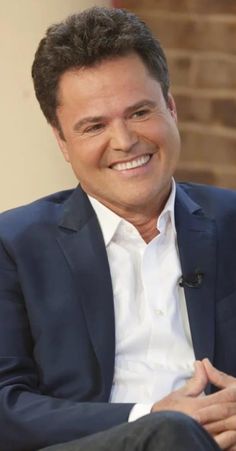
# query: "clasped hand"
(215, 412)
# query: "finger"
(215, 413)
(226, 439)
(227, 424)
(226, 395)
(216, 377)
(197, 383)
(215, 428)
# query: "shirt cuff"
(138, 411)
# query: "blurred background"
(31, 164)
(199, 37)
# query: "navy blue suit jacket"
(57, 340)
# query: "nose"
(122, 137)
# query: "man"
(116, 296)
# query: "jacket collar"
(81, 241)
(77, 210)
(196, 236)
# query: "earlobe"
(61, 143)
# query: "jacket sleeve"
(29, 419)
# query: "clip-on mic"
(192, 280)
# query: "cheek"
(84, 156)
(165, 137)
(154, 131)
(170, 136)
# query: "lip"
(130, 160)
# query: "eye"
(95, 128)
(140, 114)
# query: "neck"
(147, 227)
(145, 221)
(142, 217)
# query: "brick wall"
(199, 37)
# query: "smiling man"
(119, 133)
(117, 295)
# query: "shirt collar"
(109, 221)
(168, 212)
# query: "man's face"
(121, 137)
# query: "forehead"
(107, 90)
(128, 74)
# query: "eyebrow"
(95, 119)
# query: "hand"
(219, 417)
(186, 399)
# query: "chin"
(139, 202)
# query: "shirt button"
(159, 312)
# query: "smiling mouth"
(140, 161)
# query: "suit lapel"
(197, 248)
(82, 243)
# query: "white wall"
(30, 162)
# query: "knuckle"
(231, 393)
(228, 410)
(225, 411)
(227, 439)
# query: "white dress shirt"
(154, 353)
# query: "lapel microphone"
(192, 280)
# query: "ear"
(172, 107)
(61, 143)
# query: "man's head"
(102, 81)
(86, 39)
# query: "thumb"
(197, 383)
(216, 377)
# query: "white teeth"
(132, 164)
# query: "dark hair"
(86, 39)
